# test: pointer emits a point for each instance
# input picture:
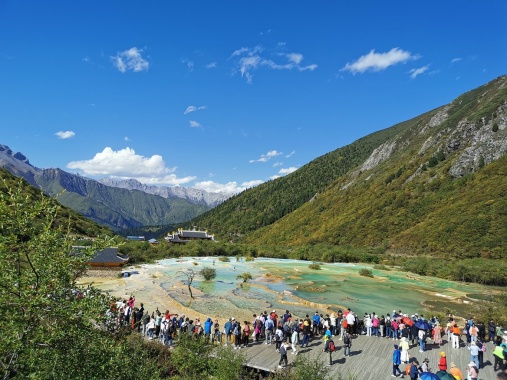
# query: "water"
(290, 284)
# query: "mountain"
(194, 196)
(113, 207)
(434, 184)
(78, 225)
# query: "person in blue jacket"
(396, 362)
(207, 328)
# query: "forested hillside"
(435, 184)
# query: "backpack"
(388, 323)
(331, 346)
(286, 328)
(346, 339)
(295, 327)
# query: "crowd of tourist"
(289, 333)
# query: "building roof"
(194, 234)
(108, 255)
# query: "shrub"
(224, 259)
(315, 266)
(365, 272)
(208, 273)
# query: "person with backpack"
(472, 371)
(330, 348)
(414, 370)
(278, 338)
(306, 334)
(283, 354)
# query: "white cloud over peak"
(193, 109)
(194, 124)
(63, 135)
(130, 60)
(266, 157)
(286, 171)
(229, 188)
(251, 59)
(415, 72)
(125, 164)
(379, 61)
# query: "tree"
(208, 273)
(244, 276)
(190, 274)
(49, 324)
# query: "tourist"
(237, 334)
(375, 325)
(306, 334)
(207, 328)
(351, 320)
(295, 337)
(414, 370)
(396, 362)
(473, 331)
(217, 335)
(332, 323)
(482, 349)
(425, 366)
(146, 320)
(246, 334)
(327, 338)
(228, 331)
(474, 353)
(437, 334)
(382, 326)
(278, 338)
(491, 330)
(347, 343)
(269, 326)
(151, 328)
(404, 346)
(499, 358)
(367, 324)
(456, 372)
(394, 328)
(422, 340)
(472, 371)
(316, 323)
(283, 354)
(442, 363)
(456, 333)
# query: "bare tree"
(190, 274)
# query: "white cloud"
(211, 65)
(194, 124)
(126, 138)
(130, 60)
(415, 72)
(251, 60)
(193, 109)
(188, 63)
(277, 163)
(125, 164)
(63, 135)
(286, 171)
(379, 61)
(229, 188)
(290, 154)
(456, 60)
(266, 157)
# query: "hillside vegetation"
(435, 184)
(78, 225)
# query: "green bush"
(208, 273)
(315, 266)
(365, 273)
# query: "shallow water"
(290, 284)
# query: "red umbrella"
(407, 321)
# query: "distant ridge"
(114, 207)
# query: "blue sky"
(226, 95)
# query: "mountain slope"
(78, 224)
(113, 207)
(433, 184)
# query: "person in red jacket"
(442, 364)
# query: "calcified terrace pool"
(290, 284)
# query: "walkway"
(371, 357)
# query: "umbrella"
(396, 316)
(422, 325)
(407, 321)
(442, 375)
(428, 376)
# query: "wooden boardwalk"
(371, 357)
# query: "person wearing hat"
(473, 371)
(442, 363)
(437, 334)
(414, 370)
(474, 353)
(396, 362)
(425, 365)
(283, 354)
(404, 347)
(456, 372)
